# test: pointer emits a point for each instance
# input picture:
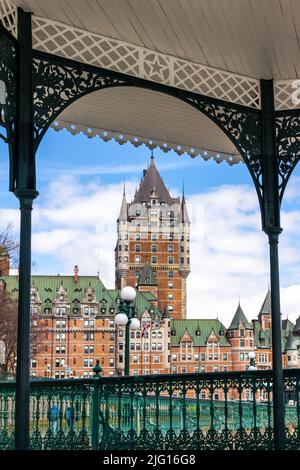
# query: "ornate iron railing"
(163, 412)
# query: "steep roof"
(263, 338)
(193, 327)
(292, 342)
(153, 180)
(147, 276)
(183, 212)
(239, 316)
(266, 306)
(123, 216)
(47, 287)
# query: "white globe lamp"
(135, 324)
(251, 355)
(121, 319)
(128, 294)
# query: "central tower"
(152, 252)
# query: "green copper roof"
(239, 316)
(263, 338)
(147, 277)
(193, 327)
(266, 306)
(47, 287)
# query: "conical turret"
(123, 217)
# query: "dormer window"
(198, 333)
(61, 298)
(173, 333)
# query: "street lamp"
(252, 361)
(127, 317)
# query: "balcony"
(162, 412)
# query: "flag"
(146, 327)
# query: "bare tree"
(8, 329)
(9, 307)
(8, 246)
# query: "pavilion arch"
(58, 84)
(40, 86)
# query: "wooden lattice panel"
(8, 16)
(287, 94)
(77, 44)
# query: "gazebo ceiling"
(144, 116)
(256, 38)
(218, 48)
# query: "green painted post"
(96, 407)
(271, 226)
(26, 193)
(127, 346)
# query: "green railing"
(163, 412)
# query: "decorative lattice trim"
(137, 141)
(8, 16)
(287, 94)
(84, 46)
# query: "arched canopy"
(216, 49)
(149, 117)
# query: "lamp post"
(252, 365)
(127, 317)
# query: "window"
(154, 248)
(170, 285)
(171, 274)
(154, 260)
(241, 356)
(242, 343)
(137, 248)
(202, 356)
(242, 332)
(135, 359)
(137, 259)
(137, 213)
(137, 236)
(154, 237)
(225, 356)
(170, 249)
(170, 296)
(170, 260)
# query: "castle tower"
(240, 336)
(155, 228)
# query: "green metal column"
(26, 193)
(127, 346)
(271, 226)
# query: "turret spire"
(123, 211)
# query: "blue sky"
(80, 182)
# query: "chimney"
(76, 271)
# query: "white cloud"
(76, 224)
